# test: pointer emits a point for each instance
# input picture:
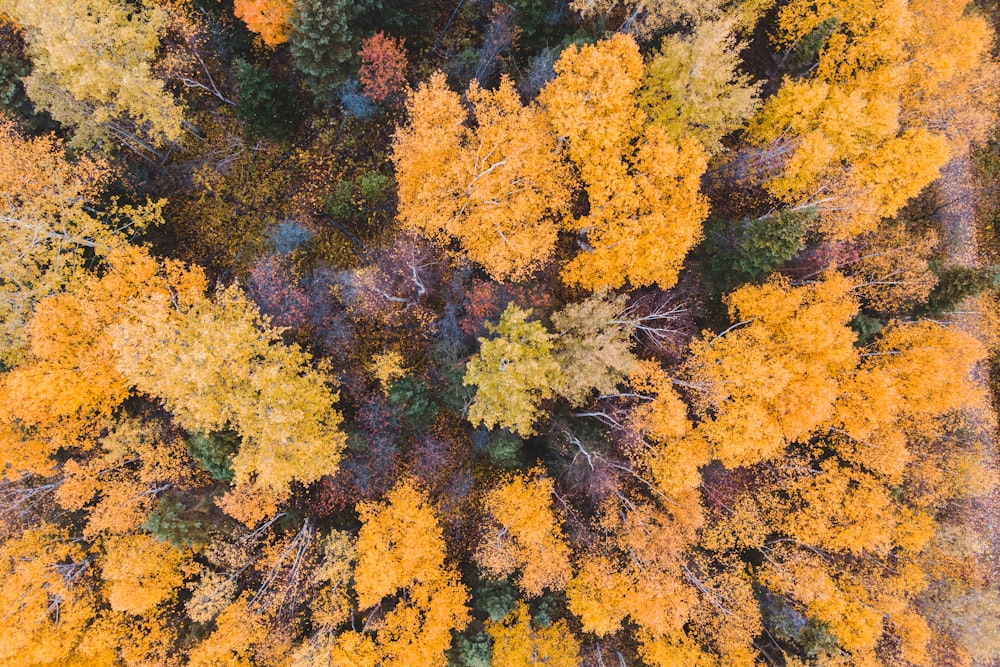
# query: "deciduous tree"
(518, 642)
(47, 595)
(513, 373)
(267, 18)
(592, 346)
(774, 376)
(218, 362)
(92, 70)
(383, 67)
(525, 535)
(140, 572)
(498, 187)
(49, 228)
(646, 209)
(692, 85)
(401, 552)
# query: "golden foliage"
(217, 362)
(140, 572)
(401, 552)
(773, 377)
(513, 373)
(498, 187)
(44, 588)
(517, 642)
(92, 70)
(525, 535)
(897, 92)
(267, 18)
(643, 186)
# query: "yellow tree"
(893, 269)
(47, 595)
(646, 18)
(402, 555)
(118, 486)
(517, 642)
(909, 384)
(243, 636)
(92, 70)
(949, 84)
(140, 572)
(643, 187)
(638, 570)
(773, 377)
(267, 18)
(48, 227)
(524, 535)
(886, 108)
(692, 86)
(672, 453)
(66, 392)
(218, 361)
(592, 346)
(513, 373)
(497, 186)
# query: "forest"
(459, 333)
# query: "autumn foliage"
(383, 67)
(653, 334)
(267, 18)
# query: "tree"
(218, 362)
(518, 642)
(322, 42)
(591, 103)
(643, 232)
(66, 391)
(383, 67)
(44, 587)
(497, 187)
(92, 70)
(118, 485)
(883, 111)
(643, 188)
(915, 374)
(266, 107)
(525, 535)
(64, 395)
(639, 570)
(49, 226)
(592, 346)
(671, 453)
(140, 572)
(267, 18)
(764, 244)
(774, 376)
(646, 18)
(242, 636)
(692, 87)
(513, 373)
(401, 553)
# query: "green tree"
(766, 243)
(266, 106)
(214, 451)
(513, 373)
(957, 283)
(323, 43)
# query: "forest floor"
(957, 213)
